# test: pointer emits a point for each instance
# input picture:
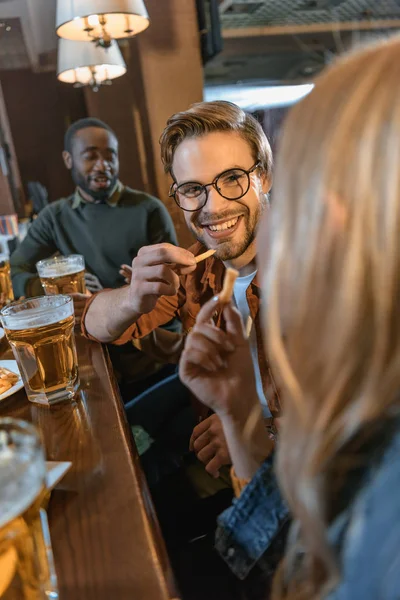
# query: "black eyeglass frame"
(172, 191)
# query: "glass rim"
(27, 465)
(22, 424)
(55, 259)
(7, 311)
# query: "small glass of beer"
(62, 274)
(41, 334)
(6, 290)
(26, 559)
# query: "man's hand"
(209, 444)
(92, 283)
(155, 273)
(126, 272)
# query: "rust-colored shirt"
(196, 289)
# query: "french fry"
(7, 379)
(249, 326)
(227, 289)
(203, 256)
(5, 386)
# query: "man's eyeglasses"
(231, 185)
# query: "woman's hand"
(216, 365)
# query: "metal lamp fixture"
(100, 21)
(82, 64)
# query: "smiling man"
(104, 220)
(220, 161)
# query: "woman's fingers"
(233, 323)
(215, 336)
(208, 348)
(197, 359)
(207, 311)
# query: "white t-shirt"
(239, 293)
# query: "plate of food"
(10, 378)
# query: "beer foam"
(39, 316)
(59, 270)
(21, 479)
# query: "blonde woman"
(331, 282)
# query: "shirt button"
(231, 552)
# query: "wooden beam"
(243, 32)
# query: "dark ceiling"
(289, 41)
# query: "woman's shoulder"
(368, 534)
(383, 484)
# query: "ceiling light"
(100, 21)
(254, 97)
(82, 64)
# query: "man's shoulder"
(131, 197)
(56, 207)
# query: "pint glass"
(62, 274)
(41, 334)
(26, 559)
(6, 290)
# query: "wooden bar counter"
(106, 540)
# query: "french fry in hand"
(203, 256)
(227, 289)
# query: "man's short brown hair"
(209, 117)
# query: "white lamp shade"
(124, 18)
(77, 61)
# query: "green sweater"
(107, 235)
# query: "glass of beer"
(62, 274)
(26, 559)
(41, 334)
(6, 290)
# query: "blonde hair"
(209, 117)
(333, 292)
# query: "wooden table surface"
(105, 536)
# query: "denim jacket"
(365, 535)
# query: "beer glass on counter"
(41, 334)
(26, 559)
(6, 290)
(62, 274)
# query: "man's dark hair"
(83, 124)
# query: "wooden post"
(165, 75)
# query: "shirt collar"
(112, 201)
(214, 270)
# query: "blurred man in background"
(104, 220)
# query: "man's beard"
(100, 196)
(231, 249)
